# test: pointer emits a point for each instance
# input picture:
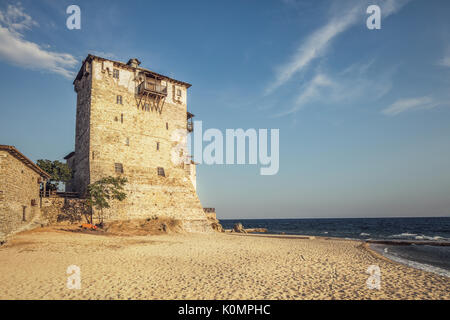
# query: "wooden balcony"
(151, 88)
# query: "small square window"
(119, 100)
(161, 172)
(116, 73)
(118, 167)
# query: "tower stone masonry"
(125, 122)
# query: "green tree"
(102, 191)
(59, 172)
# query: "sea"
(434, 256)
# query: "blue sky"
(363, 114)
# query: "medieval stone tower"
(125, 121)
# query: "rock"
(239, 228)
(215, 223)
(217, 227)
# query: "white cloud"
(313, 47)
(403, 105)
(358, 84)
(316, 44)
(16, 50)
(15, 19)
(310, 93)
(103, 54)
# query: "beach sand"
(193, 266)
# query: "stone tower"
(125, 123)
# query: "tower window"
(119, 99)
(24, 213)
(161, 172)
(157, 146)
(121, 117)
(167, 126)
(116, 73)
(118, 167)
(178, 92)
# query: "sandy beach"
(194, 266)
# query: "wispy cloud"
(16, 50)
(357, 84)
(15, 19)
(103, 54)
(316, 44)
(310, 93)
(313, 48)
(403, 105)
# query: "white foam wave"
(424, 237)
(418, 265)
(403, 235)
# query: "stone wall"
(19, 194)
(125, 133)
(79, 163)
(58, 209)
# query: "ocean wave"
(364, 234)
(403, 235)
(423, 237)
(416, 236)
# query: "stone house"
(127, 121)
(20, 181)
